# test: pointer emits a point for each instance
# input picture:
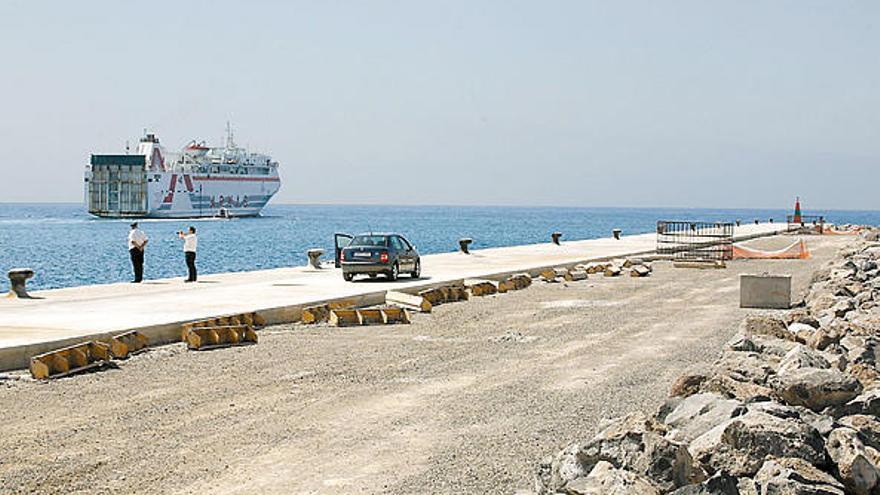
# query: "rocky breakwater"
(792, 407)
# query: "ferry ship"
(199, 181)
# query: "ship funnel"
(150, 148)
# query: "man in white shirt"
(137, 242)
(190, 242)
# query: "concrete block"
(765, 291)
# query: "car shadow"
(382, 279)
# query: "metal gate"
(695, 240)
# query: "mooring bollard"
(18, 278)
(616, 234)
(555, 237)
(738, 222)
(314, 257)
(756, 221)
(464, 243)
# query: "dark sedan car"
(374, 254)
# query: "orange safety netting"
(797, 251)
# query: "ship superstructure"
(198, 181)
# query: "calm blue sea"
(67, 247)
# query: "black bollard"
(555, 237)
(464, 243)
(18, 278)
(616, 234)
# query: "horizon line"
(441, 205)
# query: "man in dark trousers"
(190, 242)
(137, 242)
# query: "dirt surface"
(464, 400)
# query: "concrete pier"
(157, 308)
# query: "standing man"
(137, 242)
(190, 242)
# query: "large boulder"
(800, 315)
(749, 367)
(605, 479)
(698, 414)
(794, 476)
(861, 349)
(824, 337)
(842, 307)
(739, 375)
(867, 426)
(637, 444)
(720, 484)
(868, 320)
(868, 403)
(769, 326)
(691, 381)
(634, 443)
(820, 300)
(852, 461)
(770, 346)
(866, 374)
(802, 331)
(800, 357)
(554, 472)
(741, 391)
(821, 422)
(815, 388)
(740, 445)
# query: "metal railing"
(695, 240)
(816, 222)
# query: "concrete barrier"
(445, 294)
(369, 316)
(515, 282)
(481, 287)
(205, 338)
(408, 301)
(125, 344)
(344, 317)
(70, 360)
(315, 314)
(765, 291)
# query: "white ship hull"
(198, 182)
(173, 195)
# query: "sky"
(563, 103)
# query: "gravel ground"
(465, 400)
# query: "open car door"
(340, 240)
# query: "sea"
(66, 246)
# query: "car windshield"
(370, 240)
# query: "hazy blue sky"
(615, 103)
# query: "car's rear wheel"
(417, 271)
(394, 273)
(348, 277)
